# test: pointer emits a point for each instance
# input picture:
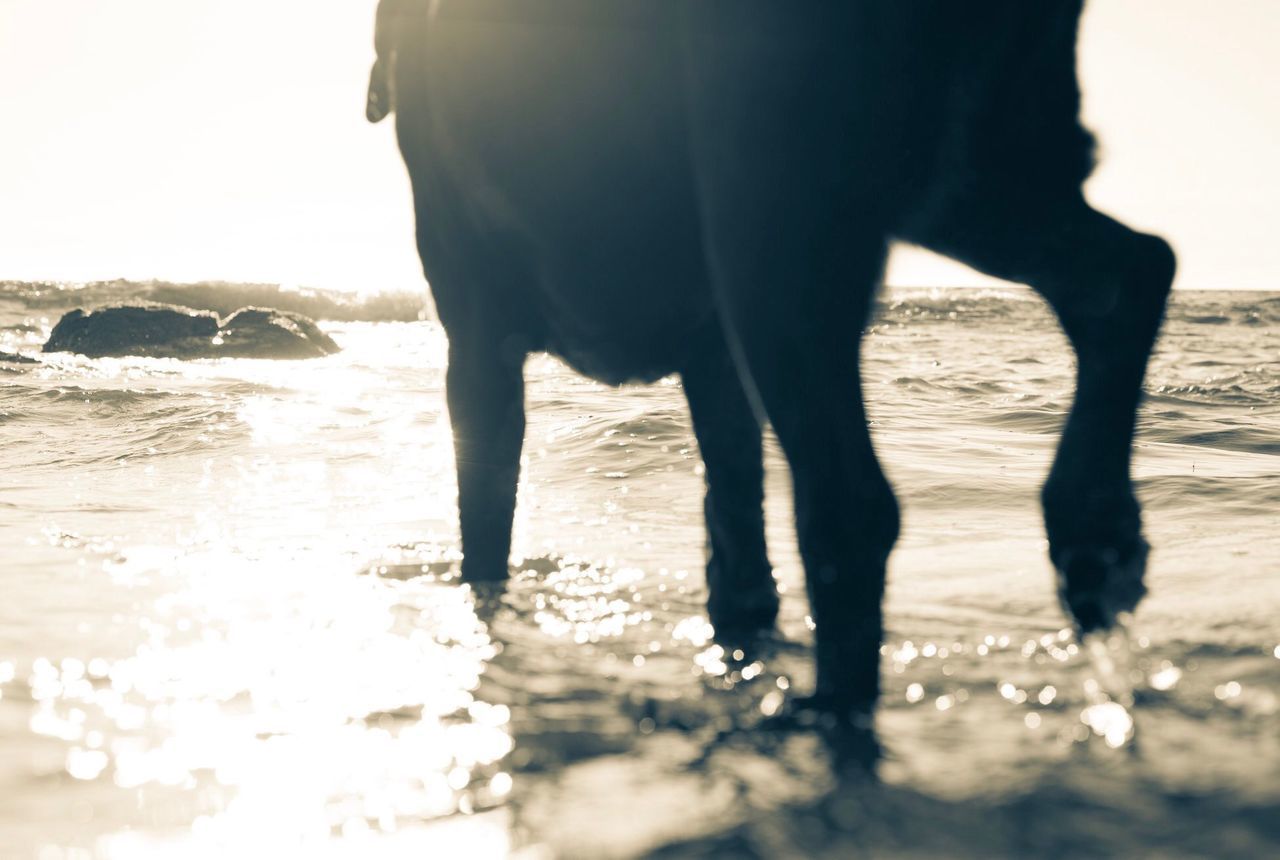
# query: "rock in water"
(168, 331)
(265, 333)
(160, 331)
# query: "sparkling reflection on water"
(234, 624)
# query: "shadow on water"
(611, 763)
(862, 817)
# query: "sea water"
(231, 623)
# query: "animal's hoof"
(1098, 584)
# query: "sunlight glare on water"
(1110, 691)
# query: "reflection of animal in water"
(614, 182)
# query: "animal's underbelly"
(551, 172)
(620, 336)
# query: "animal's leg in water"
(797, 308)
(743, 600)
(799, 319)
(1108, 286)
(485, 391)
(796, 250)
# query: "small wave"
(992, 492)
(1187, 307)
(18, 401)
(917, 384)
(222, 298)
(1248, 440)
(656, 426)
(1041, 421)
(122, 399)
(1200, 394)
(1238, 495)
(952, 304)
(1212, 308)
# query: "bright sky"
(225, 139)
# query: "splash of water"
(1109, 691)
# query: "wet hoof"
(1098, 584)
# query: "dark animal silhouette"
(709, 187)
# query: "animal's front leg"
(804, 361)
(796, 247)
(1110, 301)
(1108, 285)
(485, 390)
(743, 599)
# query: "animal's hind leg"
(1108, 285)
(743, 599)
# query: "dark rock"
(168, 331)
(265, 333)
(159, 331)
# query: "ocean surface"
(231, 624)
